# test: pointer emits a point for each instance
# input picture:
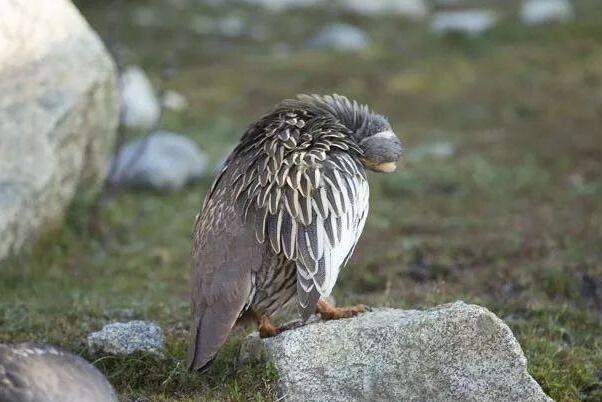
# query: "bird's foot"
(328, 312)
(267, 329)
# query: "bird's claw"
(292, 325)
(335, 313)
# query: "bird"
(283, 216)
(40, 372)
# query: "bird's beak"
(382, 151)
(385, 167)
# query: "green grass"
(511, 221)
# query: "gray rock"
(140, 107)
(534, 12)
(175, 101)
(412, 9)
(127, 338)
(454, 352)
(44, 373)
(281, 5)
(341, 37)
(58, 115)
(231, 26)
(161, 161)
(470, 22)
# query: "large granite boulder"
(58, 115)
(455, 352)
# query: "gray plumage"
(284, 214)
(36, 372)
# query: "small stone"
(140, 107)
(231, 26)
(470, 22)
(341, 37)
(174, 101)
(127, 338)
(162, 161)
(413, 9)
(453, 352)
(281, 5)
(535, 12)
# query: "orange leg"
(328, 312)
(266, 328)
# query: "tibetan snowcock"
(283, 216)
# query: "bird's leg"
(328, 312)
(266, 328)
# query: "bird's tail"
(208, 332)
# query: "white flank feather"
(336, 256)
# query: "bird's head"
(371, 132)
(381, 147)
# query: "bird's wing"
(307, 196)
(225, 253)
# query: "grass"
(511, 221)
